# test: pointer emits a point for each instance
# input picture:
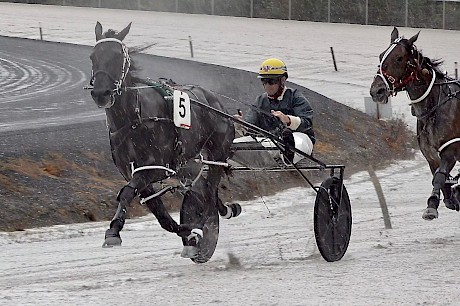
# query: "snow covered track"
(41, 85)
(261, 258)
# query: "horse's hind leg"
(451, 196)
(225, 211)
(193, 214)
(228, 211)
(218, 149)
(200, 213)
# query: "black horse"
(435, 102)
(150, 150)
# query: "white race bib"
(182, 110)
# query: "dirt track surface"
(56, 166)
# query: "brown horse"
(434, 100)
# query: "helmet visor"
(269, 76)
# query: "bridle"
(393, 85)
(118, 88)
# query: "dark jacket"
(293, 103)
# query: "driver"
(288, 105)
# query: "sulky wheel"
(332, 220)
(191, 213)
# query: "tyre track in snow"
(42, 85)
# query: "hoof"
(189, 251)
(452, 204)
(112, 238)
(430, 214)
(111, 242)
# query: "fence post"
(212, 7)
(333, 59)
(367, 12)
(383, 204)
(290, 11)
(177, 6)
(40, 29)
(456, 70)
(191, 45)
(407, 13)
(252, 9)
(329, 11)
(443, 15)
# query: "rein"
(138, 110)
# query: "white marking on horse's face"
(379, 91)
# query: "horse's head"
(110, 65)
(397, 68)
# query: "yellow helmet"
(272, 68)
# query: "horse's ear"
(98, 31)
(394, 34)
(124, 32)
(413, 38)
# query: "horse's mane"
(134, 69)
(110, 34)
(426, 61)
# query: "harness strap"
(381, 73)
(134, 170)
(157, 194)
(108, 39)
(448, 144)
(428, 90)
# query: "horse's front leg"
(124, 198)
(439, 183)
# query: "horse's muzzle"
(379, 95)
(103, 98)
(379, 91)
